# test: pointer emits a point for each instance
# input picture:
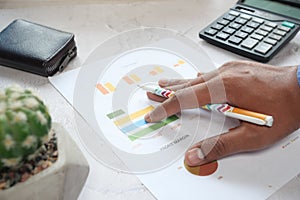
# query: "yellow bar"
(110, 87)
(249, 113)
(133, 116)
(159, 69)
(135, 77)
(181, 62)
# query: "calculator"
(257, 29)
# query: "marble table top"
(93, 22)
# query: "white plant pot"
(63, 180)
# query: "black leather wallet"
(36, 48)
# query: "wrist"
(295, 89)
(298, 75)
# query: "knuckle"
(229, 65)
(235, 65)
(158, 113)
(214, 148)
(172, 104)
(219, 149)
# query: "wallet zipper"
(66, 60)
(67, 56)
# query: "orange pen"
(241, 114)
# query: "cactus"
(24, 126)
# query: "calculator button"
(229, 30)
(284, 28)
(235, 25)
(223, 22)
(258, 20)
(279, 32)
(235, 40)
(217, 26)
(288, 24)
(266, 28)
(229, 17)
(263, 48)
(249, 43)
(270, 41)
(223, 36)
(244, 16)
(261, 32)
(234, 13)
(271, 24)
(241, 21)
(275, 37)
(242, 35)
(247, 29)
(211, 31)
(253, 24)
(258, 37)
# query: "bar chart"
(105, 88)
(134, 126)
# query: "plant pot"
(63, 180)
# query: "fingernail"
(195, 156)
(163, 82)
(147, 118)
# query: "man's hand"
(249, 85)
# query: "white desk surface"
(94, 21)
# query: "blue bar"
(133, 126)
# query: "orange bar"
(153, 73)
(101, 89)
(128, 80)
(249, 113)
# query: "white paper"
(244, 176)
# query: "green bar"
(115, 114)
(152, 128)
(288, 24)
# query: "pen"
(157, 90)
(241, 114)
(226, 109)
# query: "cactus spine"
(24, 126)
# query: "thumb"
(237, 140)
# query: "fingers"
(195, 96)
(167, 108)
(246, 137)
(155, 97)
(178, 84)
(207, 88)
(199, 74)
(173, 85)
(172, 82)
(191, 97)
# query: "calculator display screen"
(275, 6)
